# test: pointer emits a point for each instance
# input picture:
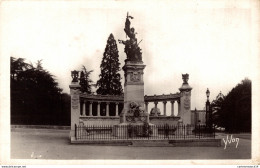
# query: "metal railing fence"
(153, 132)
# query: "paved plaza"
(28, 143)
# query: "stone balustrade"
(162, 97)
(112, 98)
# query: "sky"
(212, 42)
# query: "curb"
(41, 127)
(152, 143)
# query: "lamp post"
(208, 109)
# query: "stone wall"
(101, 120)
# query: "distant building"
(198, 117)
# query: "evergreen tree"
(109, 80)
(84, 80)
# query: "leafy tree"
(17, 66)
(109, 80)
(217, 106)
(35, 95)
(235, 110)
(85, 81)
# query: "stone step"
(151, 143)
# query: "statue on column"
(185, 78)
(132, 50)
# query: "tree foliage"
(35, 95)
(109, 80)
(217, 106)
(85, 81)
(234, 111)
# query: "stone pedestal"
(134, 130)
(134, 84)
(185, 103)
(75, 107)
(133, 115)
(133, 88)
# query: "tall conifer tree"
(109, 80)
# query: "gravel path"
(27, 143)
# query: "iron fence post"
(76, 131)
(184, 131)
(199, 131)
(214, 132)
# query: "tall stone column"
(155, 108)
(133, 86)
(146, 106)
(179, 108)
(185, 91)
(90, 108)
(164, 108)
(117, 108)
(107, 109)
(172, 108)
(155, 104)
(98, 108)
(75, 103)
(84, 108)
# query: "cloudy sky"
(213, 42)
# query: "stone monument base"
(134, 130)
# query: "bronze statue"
(132, 50)
(185, 78)
(75, 76)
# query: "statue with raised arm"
(132, 50)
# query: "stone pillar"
(164, 108)
(146, 107)
(107, 109)
(84, 108)
(90, 108)
(98, 108)
(185, 100)
(75, 105)
(155, 108)
(179, 108)
(155, 104)
(117, 108)
(133, 86)
(172, 108)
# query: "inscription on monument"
(186, 101)
(75, 101)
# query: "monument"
(133, 113)
(75, 102)
(134, 119)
